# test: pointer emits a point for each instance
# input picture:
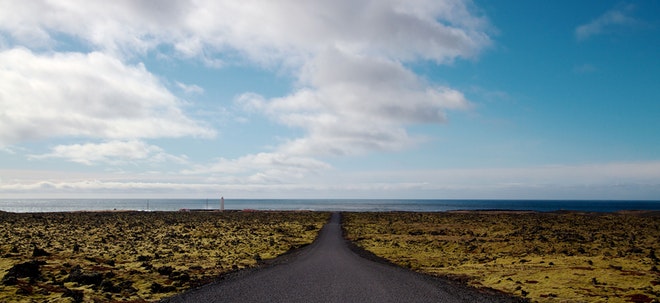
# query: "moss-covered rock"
(546, 257)
(118, 256)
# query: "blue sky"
(330, 99)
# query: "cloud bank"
(608, 181)
(71, 75)
(112, 152)
(85, 95)
(354, 92)
(262, 31)
(352, 104)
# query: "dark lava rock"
(23, 270)
(77, 295)
(9, 280)
(143, 258)
(158, 288)
(165, 270)
(179, 276)
(146, 265)
(38, 252)
(85, 278)
(24, 290)
(108, 286)
(127, 287)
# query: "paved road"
(329, 271)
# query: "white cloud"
(627, 180)
(290, 31)
(352, 104)
(112, 152)
(637, 180)
(585, 174)
(8, 150)
(190, 88)
(99, 186)
(617, 17)
(85, 95)
(118, 27)
(260, 168)
(367, 39)
(346, 54)
(261, 30)
(354, 92)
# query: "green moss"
(128, 248)
(547, 257)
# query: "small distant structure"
(222, 203)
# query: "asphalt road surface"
(329, 271)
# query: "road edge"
(284, 258)
(441, 281)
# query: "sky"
(415, 99)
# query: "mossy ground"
(139, 256)
(546, 257)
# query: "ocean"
(359, 205)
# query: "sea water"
(360, 205)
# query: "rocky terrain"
(546, 257)
(137, 256)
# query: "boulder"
(29, 269)
(158, 288)
(76, 295)
(38, 252)
(85, 278)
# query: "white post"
(222, 204)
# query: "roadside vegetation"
(137, 256)
(545, 257)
